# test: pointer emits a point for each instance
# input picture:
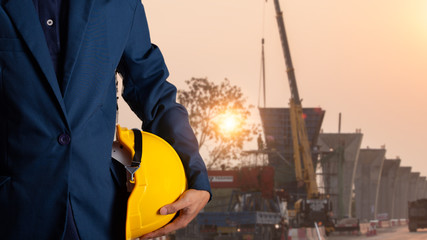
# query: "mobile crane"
(245, 206)
(316, 208)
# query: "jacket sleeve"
(153, 99)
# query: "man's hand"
(189, 205)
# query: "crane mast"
(301, 145)
(287, 54)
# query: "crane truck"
(316, 208)
(245, 206)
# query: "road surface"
(394, 233)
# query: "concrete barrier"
(394, 222)
(374, 223)
(372, 231)
(384, 224)
(315, 236)
(403, 222)
(322, 232)
(368, 229)
(310, 233)
(297, 234)
(306, 234)
(364, 228)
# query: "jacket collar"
(25, 18)
(23, 14)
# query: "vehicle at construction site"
(347, 225)
(246, 206)
(417, 214)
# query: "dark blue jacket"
(55, 141)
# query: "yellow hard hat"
(158, 176)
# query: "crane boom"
(300, 141)
(287, 53)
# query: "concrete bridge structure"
(339, 153)
(421, 193)
(361, 183)
(388, 183)
(363, 179)
(367, 182)
(413, 185)
(401, 193)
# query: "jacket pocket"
(11, 45)
(4, 179)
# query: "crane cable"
(262, 70)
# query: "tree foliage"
(219, 115)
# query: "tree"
(219, 115)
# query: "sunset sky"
(365, 59)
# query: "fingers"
(189, 205)
(178, 223)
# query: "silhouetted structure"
(278, 139)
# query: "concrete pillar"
(412, 190)
(421, 187)
(339, 155)
(401, 193)
(367, 182)
(425, 190)
(386, 200)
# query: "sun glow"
(228, 123)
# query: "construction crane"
(315, 208)
(302, 154)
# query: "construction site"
(303, 183)
(358, 187)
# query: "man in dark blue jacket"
(58, 61)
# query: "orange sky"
(363, 58)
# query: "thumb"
(165, 210)
(182, 202)
(171, 208)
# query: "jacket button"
(64, 139)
